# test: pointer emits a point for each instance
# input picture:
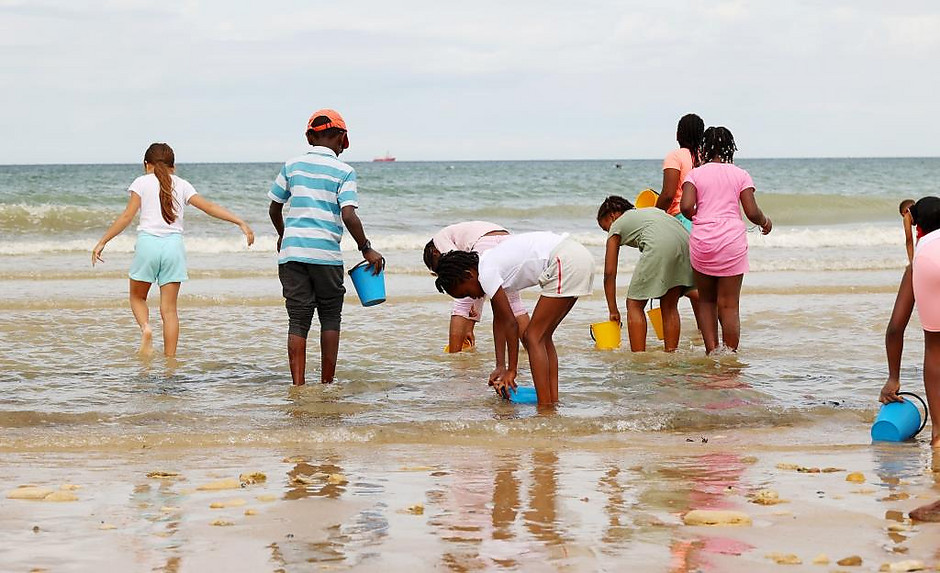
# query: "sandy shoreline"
(580, 505)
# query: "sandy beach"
(538, 505)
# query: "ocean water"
(813, 312)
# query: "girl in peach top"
(678, 163)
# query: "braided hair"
(613, 204)
(718, 143)
(689, 134)
(452, 269)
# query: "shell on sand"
(221, 523)
(767, 497)
(416, 509)
(907, 565)
(851, 561)
(61, 496)
(855, 477)
(237, 502)
(266, 497)
(29, 492)
(821, 559)
(716, 517)
(162, 475)
(230, 483)
(784, 558)
(252, 478)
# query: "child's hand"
(375, 260)
(615, 317)
(249, 234)
(496, 374)
(767, 226)
(889, 392)
(96, 254)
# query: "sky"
(96, 81)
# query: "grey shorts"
(310, 288)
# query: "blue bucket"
(899, 421)
(523, 395)
(369, 287)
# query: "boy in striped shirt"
(320, 191)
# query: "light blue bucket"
(369, 287)
(523, 395)
(899, 421)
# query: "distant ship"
(387, 158)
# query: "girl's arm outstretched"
(220, 212)
(894, 337)
(117, 227)
(611, 260)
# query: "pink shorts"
(472, 308)
(926, 276)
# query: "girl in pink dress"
(920, 283)
(718, 245)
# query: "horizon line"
(615, 160)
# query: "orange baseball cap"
(335, 120)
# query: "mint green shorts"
(685, 221)
(159, 260)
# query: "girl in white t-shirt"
(159, 256)
(563, 269)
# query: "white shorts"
(570, 271)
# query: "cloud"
(231, 81)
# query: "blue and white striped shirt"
(315, 186)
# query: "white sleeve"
(186, 190)
(444, 241)
(490, 278)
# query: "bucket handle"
(591, 330)
(364, 262)
(922, 403)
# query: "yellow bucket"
(467, 345)
(606, 335)
(646, 198)
(656, 319)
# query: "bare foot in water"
(146, 341)
(929, 512)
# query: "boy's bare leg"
(329, 350)
(932, 383)
(636, 324)
(169, 293)
(138, 299)
(297, 357)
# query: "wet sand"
(581, 505)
